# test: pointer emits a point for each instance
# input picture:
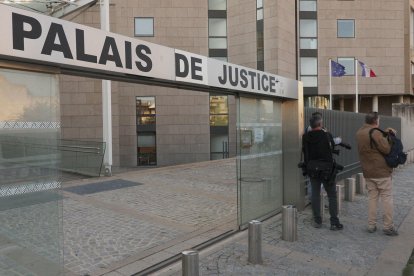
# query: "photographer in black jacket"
(318, 146)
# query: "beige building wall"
(280, 38)
(379, 42)
(241, 32)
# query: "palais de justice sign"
(41, 39)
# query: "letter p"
(19, 34)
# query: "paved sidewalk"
(352, 251)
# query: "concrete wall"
(406, 112)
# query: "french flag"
(366, 71)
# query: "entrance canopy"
(41, 39)
(55, 8)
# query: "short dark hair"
(371, 118)
(317, 113)
(315, 121)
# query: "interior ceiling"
(56, 8)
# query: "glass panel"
(146, 111)
(259, 14)
(217, 5)
(144, 26)
(147, 151)
(31, 223)
(308, 43)
(259, 4)
(349, 64)
(308, 28)
(260, 158)
(219, 146)
(218, 105)
(346, 28)
(309, 81)
(217, 43)
(219, 120)
(217, 27)
(307, 5)
(308, 66)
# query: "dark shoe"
(390, 232)
(336, 227)
(316, 225)
(372, 229)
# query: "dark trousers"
(316, 200)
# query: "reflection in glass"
(146, 132)
(145, 110)
(30, 204)
(260, 162)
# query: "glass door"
(259, 162)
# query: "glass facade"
(30, 203)
(260, 176)
(146, 131)
(219, 127)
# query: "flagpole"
(356, 85)
(330, 84)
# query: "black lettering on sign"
(265, 84)
(243, 78)
(223, 79)
(128, 55)
(19, 34)
(234, 81)
(142, 52)
(252, 75)
(110, 45)
(195, 68)
(80, 48)
(272, 84)
(178, 72)
(56, 30)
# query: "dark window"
(146, 131)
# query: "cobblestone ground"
(103, 228)
(352, 251)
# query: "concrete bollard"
(255, 242)
(350, 189)
(189, 260)
(360, 183)
(289, 223)
(339, 193)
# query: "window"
(349, 63)
(219, 127)
(219, 111)
(309, 43)
(310, 81)
(217, 5)
(346, 28)
(307, 5)
(308, 66)
(146, 131)
(144, 26)
(308, 28)
(259, 35)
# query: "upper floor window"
(144, 26)
(346, 27)
(217, 5)
(349, 63)
(308, 28)
(307, 5)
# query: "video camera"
(342, 144)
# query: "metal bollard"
(350, 189)
(339, 192)
(360, 183)
(322, 205)
(289, 223)
(255, 242)
(189, 260)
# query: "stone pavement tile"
(144, 263)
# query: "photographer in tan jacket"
(377, 173)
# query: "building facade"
(377, 33)
(162, 126)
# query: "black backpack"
(396, 156)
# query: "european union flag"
(337, 70)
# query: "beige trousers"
(380, 188)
